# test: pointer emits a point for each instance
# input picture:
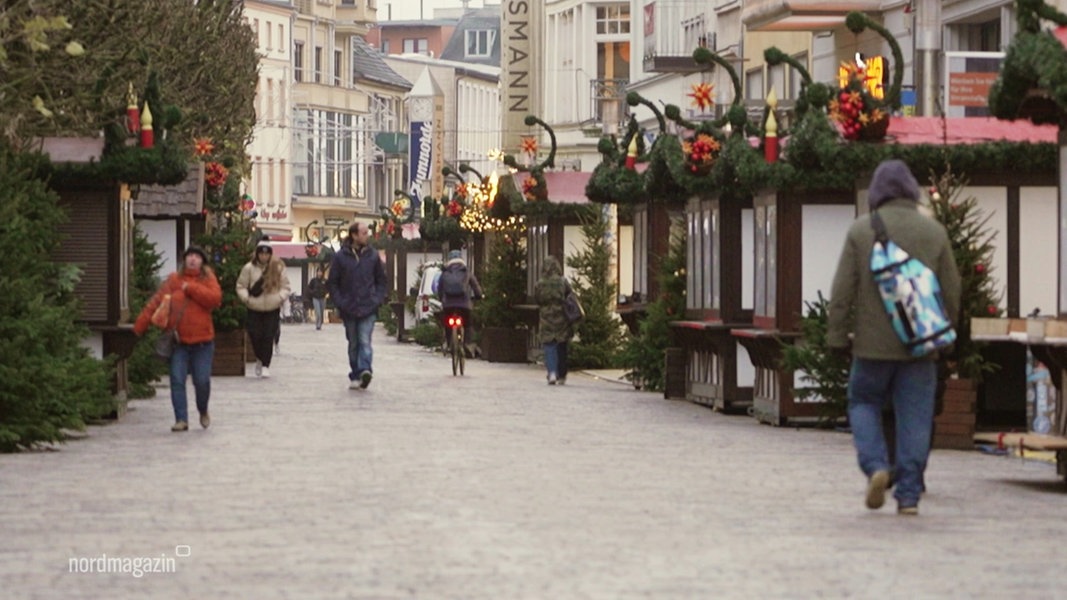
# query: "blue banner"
(420, 156)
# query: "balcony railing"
(608, 97)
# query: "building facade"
(343, 97)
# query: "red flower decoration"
(529, 145)
(215, 174)
(203, 146)
(701, 95)
(461, 190)
(455, 209)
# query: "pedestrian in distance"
(456, 287)
(263, 286)
(194, 293)
(317, 291)
(555, 330)
(883, 370)
(358, 287)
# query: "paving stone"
(495, 485)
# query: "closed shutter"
(86, 242)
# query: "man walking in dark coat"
(357, 286)
(883, 370)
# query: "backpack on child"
(911, 294)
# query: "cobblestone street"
(495, 485)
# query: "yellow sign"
(873, 76)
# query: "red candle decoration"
(631, 153)
(148, 137)
(770, 137)
(133, 117)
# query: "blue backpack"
(911, 294)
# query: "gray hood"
(892, 179)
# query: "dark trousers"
(262, 327)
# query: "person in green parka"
(556, 331)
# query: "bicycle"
(454, 323)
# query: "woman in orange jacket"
(194, 292)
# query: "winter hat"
(455, 255)
(264, 243)
(195, 250)
(892, 179)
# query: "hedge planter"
(229, 354)
(504, 344)
(954, 427)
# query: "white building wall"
(1037, 246)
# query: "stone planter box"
(504, 344)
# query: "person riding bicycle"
(456, 286)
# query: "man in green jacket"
(882, 368)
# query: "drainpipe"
(928, 46)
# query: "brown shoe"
(911, 511)
(180, 426)
(205, 420)
(876, 487)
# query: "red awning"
(966, 130)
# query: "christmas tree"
(972, 245)
(643, 354)
(504, 281)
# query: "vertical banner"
(520, 76)
(420, 152)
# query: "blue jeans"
(556, 359)
(910, 386)
(195, 359)
(360, 354)
(320, 307)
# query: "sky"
(409, 9)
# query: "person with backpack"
(884, 368)
(456, 286)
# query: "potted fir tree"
(504, 335)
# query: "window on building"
(695, 35)
(385, 46)
(281, 38)
(348, 2)
(795, 80)
(613, 73)
(980, 37)
(318, 64)
(298, 61)
(754, 84)
(480, 43)
(416, 46)
(267, 36)
(329, 154)
(255, 30)
(337, 67)
(777, 76)
(613, 19)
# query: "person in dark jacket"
(554, 328)
(457, 304)
(317, 291)
(357, 286)
(883, 370)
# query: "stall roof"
(966, 130)
(564, 187)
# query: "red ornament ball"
(992, 309)
(979, 268)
